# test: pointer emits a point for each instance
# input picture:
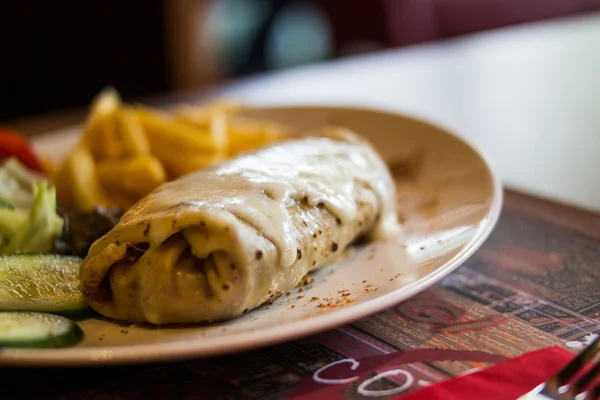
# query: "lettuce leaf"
(29, 221)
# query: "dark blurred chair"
(59, 54)
(415, 21)
(362, 26)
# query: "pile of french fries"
(128, 150)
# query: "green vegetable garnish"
(28, 218)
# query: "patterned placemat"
(534, 283)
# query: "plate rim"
(183, 349)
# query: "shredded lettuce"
(28, 218)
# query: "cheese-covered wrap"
(221, 241)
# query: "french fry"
(134, 176)
(64, 187)
(100, 134)
(198, 118)
(127, 151)
(81, 174)
(162, 131)
(131, 133)
(215, 121)
(105, 102)
(201, 116)
(107, 144)
(245, 135)
(218, 131)
(178, 165)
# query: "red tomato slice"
(13, 144)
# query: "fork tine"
(580, 384)
(565, 375)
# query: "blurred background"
(58, 55)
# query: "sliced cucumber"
(40, 282)
(34, 329)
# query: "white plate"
(448, 208)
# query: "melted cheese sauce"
(257, 188)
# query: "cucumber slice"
(40, 282)
(34, 329)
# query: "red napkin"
(504, 381)
(507, 379)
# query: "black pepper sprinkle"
(226, 286)
(259, 254)
(298, 254)
(146, 230)
(245, 311)
(314, 235)
(338, 221)
(334, 246)
(321, 204)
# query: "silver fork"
(562, 386)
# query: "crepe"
(221, 241)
